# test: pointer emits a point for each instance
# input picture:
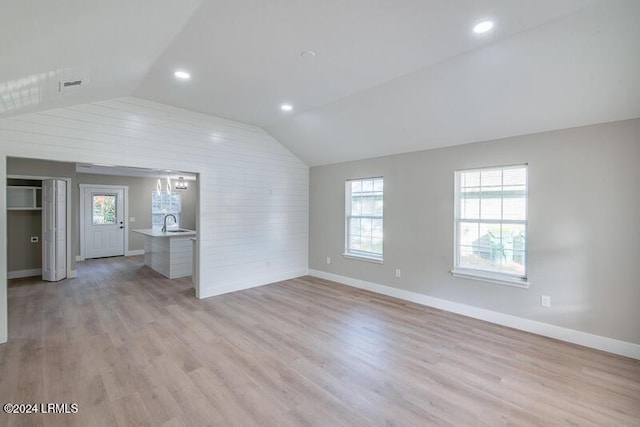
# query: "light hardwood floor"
(133, 348)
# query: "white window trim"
(367, 258)
(487, 276)
(484, 275)
(364, 256)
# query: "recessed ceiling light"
(286, 107)
(483, 27)
(182, 75)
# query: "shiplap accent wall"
(253, 212)
(170, 256)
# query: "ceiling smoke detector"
(308, 54)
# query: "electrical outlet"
(132, 219)
(328, 260)
(398, 273)
(545, 301)
(34, 239)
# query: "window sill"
(363, 258)
(491, 278)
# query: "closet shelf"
(24, 198)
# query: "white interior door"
(54, 230)
(103, 222)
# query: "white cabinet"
(24, 198)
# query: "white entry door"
(54, 230)
(104, 225)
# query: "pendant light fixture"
(168, 184)
(159, 184)
(181, 184)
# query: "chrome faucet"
(164, 226)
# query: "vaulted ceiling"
(387, 76)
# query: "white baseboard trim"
(17, 274)
(35, 272)
(79, 258)
(134, 252)
(598, 342)
(243, 284)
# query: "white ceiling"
(389, 76)
(579, 70)
(109, 44)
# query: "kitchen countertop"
(154, 232)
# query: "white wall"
(253, 225)
(584, 226)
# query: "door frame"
(125, 189)
(70, 273)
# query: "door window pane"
(103, 209)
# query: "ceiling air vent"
(69, 85)
(73, 83)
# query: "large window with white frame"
(491, 224)
(364, 218)
(164, 203)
